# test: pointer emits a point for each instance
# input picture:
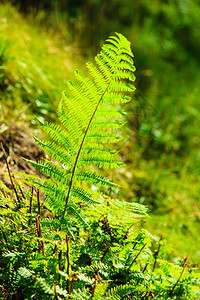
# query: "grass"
(35, 66)
(162, 153)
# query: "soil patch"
(18, 143)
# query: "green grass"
(162, 153)
(35, 66)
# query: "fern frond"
(100, 289)
(90, 118)
(94, 178)
(57, 134)
(74, 210)
(121, 291)
(103, 161)
(55, 151)
(81, 194)
(51, 170)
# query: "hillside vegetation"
(163, 145)
(162, 150)
(35, 66)
(41, 47)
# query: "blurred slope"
(162, 150)
(34, 67)
(163, 142)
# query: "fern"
(99, 254)
(121, 291)
(90, 117)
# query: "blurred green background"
(42, 42)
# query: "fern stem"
(6, 241)
(79, 151)
(38, 202)
(14, 222)
(184, 266)
(102, 244)
(145, 267)
(156, 254)
(105, 252)
(150, 292)
(30, 206)
(54, 249)
(67, 256)
(10, 176)
(23, 196)
(71, 284)
(136, 242)
(136, 257)
(55, 292)
(95, 282)
(59, 265)
(39, 231)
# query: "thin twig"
(4, 193)
(136, 242)
(71, 284)
(10, 176)
(105, 252)
(184, 266)
(143, 271)
(5, 238)
(102, 244)
(150, 291)
(23, 196)
(38, 233)
(38, 202)
(55, 248)
(38, 220)
(55, 292)
(96, 273)
(68, 238)
(14, 222)
(95, 282)
(30, 206)
(156, 254)
(136, 257)
(59, 265)
(41, 237)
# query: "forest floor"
(18, 144)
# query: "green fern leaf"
(121, 291)
(90, 118)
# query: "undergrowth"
(77, 241)
(162, 137)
